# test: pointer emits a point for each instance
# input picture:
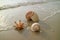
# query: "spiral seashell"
(35, 27)
(32, 16)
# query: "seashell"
(32, 16)
(19, 25)
(35, 27)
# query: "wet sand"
(50, 25)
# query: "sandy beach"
(48, 13)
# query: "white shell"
(35, 27)
(35, 17)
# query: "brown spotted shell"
(32, 16)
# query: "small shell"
(35, 27)
(32, 16)
(19, 25)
